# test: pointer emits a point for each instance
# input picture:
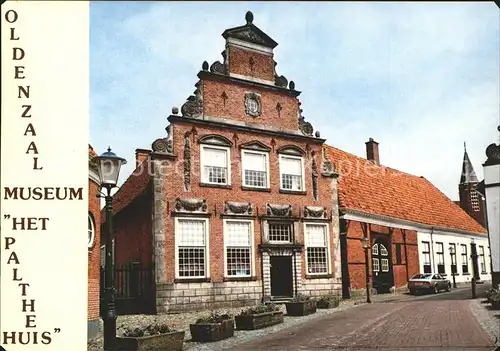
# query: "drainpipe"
(432, 251)
(406, 256)
(295, 270)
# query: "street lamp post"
(453, 265)
(108, 165)
(366, 245)
(475, 270)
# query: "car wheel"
(435, 290)
(448, 287)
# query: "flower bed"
(154, 337)
(493, 297)
(301, 306)
(212, 328)
(258, 317)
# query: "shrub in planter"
(260, 316)
(154, 337)
(495, 300)
(213, 327)
(301, 305)
(328, 301)
(490, 292)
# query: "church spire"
(468, 175)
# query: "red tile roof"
(134, 186)
(380, 190)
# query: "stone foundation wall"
(321, 286)
(180, 297)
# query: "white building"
(490, 187)
(443, 251)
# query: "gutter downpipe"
(432, 252)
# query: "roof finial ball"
(204, 66)
(249, 17)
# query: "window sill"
(249, 188)
(465, 273)
(192, 280)
(221, 186)
(239, 279)
(318, 276)
(293, 192)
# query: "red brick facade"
(237, 107)
(93, 251)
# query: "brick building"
(409, 222)
(238, 203)
(94, 220)
(471, 200)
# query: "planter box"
(205, 332)
(330, 303)
(162, 342)
(301, 308)
(495, 305)
(257, 321)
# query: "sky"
(419, 78)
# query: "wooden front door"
(383, 278)
(281, 276)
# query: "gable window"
(440, 258)
(91, 231)
(482, 259)
(426, 252)
(291, 173)
(215, 165)
(255, 166)
(316, 248)
(465, 261)
(453, 253)
(191, 241)
(280, 232)
(238, 237)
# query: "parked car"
(428, 282)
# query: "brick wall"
(356, 254)
(233, 106)
(132, 225)
(250, 63)
(94, 256)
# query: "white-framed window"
(291, 173)
(375, 250)
(191, 241)
(482, 259)
(255, 169)
(215, 164)
(426, 252)
(316, 242)
(465, 259)
(91, 231)
(238, 248)
(376, 265)
(383, 250)
(280, 232)
(385, 264)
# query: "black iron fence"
(134, 289)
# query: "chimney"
(141, 155)
(372, 151)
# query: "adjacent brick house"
(238, 204)
(409, 222)
(94, 220)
